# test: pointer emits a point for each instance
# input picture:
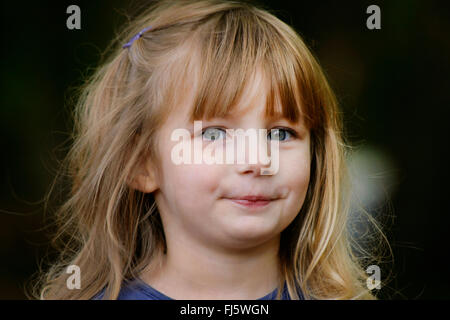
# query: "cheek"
(192, 185)
(200, 177)
(191, 182)
(299, 173)
(295, 172)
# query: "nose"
(254, 165)
(252, 169)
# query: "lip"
(253, 198)
(252, 202)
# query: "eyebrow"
(277, 117)
(234, 115)
(271, 118)
(274, 118)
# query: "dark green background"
(393, 85)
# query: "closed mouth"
(253, 201)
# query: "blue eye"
(212, 134)
(280, 134)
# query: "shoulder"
(286, 296)
(135, 290)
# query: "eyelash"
(289, 130)
(292, 132)
(204, 130)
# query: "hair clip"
(129, 43)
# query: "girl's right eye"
(213, 133)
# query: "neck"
(190, 270)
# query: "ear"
(144, 178)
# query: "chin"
(249, 236)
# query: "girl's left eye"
(213, 133)
(280, 134)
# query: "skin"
(217, 249)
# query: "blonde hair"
(111, 231)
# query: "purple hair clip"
(129, 43)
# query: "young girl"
(139, 226)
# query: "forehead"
(235, 102)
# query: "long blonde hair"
(111, 231)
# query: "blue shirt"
(139, 290)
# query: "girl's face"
(200, 201)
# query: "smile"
(252, 202)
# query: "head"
(200, 199)
(229, 64)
